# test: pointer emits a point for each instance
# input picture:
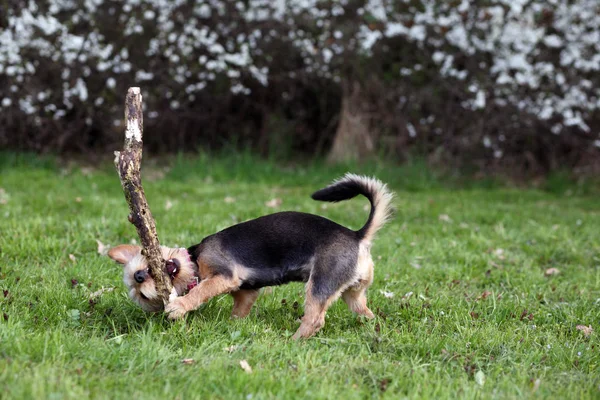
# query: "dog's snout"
(140, 276)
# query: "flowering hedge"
(499, 81)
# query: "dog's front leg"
(200, 294)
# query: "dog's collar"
(193, 283)
(196, 279)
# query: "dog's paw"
(176, 309)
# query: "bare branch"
(128, 164)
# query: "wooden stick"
(128, 163)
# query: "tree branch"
(128, 164)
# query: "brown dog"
(272, 250)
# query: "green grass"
(480, 304)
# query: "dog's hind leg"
(314, 316)
(320, 294)
(200, 294)
(243, 300)
(355, 296)
(357, 301)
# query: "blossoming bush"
(500, 82)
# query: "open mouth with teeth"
(173, 266)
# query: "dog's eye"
(143, 296)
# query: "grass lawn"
(463, 306)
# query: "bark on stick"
(128, 163)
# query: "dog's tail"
(351, 185)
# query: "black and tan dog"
(268, 251)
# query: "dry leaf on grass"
(231, 348)
(187, 361)
(274, 203)
(102, 248)
(100, 292)
(551, 271)
(78, 199)
(229, 199)
(499, 253)
(3, 196)
(587, 330)
(387, 294)
(480, 378)
(245, 366)
(445, 218)
(484, 295)
(168, 205)
(72, 258)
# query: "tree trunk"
(354, 140)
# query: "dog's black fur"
(280, 248)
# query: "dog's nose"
(140, 276)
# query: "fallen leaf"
(72, 257)
(483, 295)
(480, 378)
(587, 330)
(499, 253)
(536, 384)
(102, 248)
(3, 196)
(407, 296)
(100, 292)
(524, 314)
(229, 200)
(387, 294)
(168, 205)
(78, 199)
(187, 361)
(383, 384)
(231, 348)
(445, 218)
(245, 366)
(551, 271)
(74, 282)
(274, 203)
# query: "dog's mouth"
(173, 267)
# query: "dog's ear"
(123, 253)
